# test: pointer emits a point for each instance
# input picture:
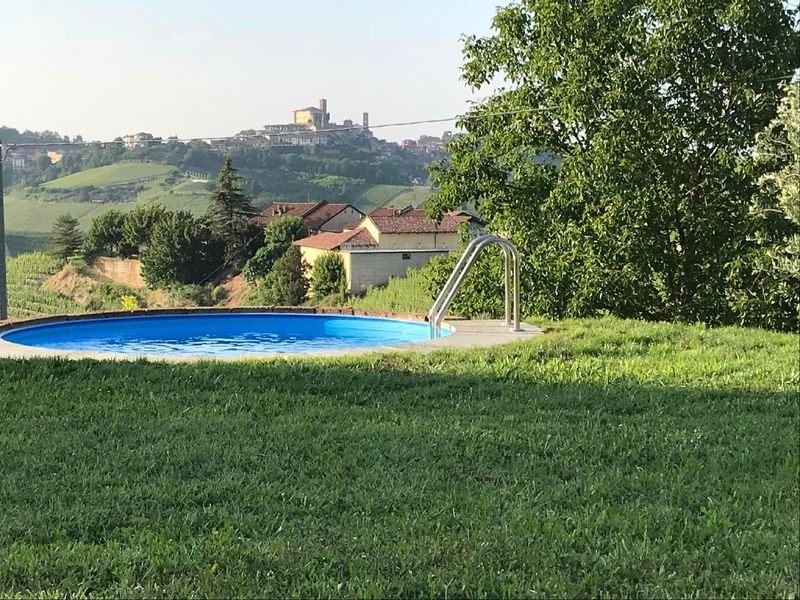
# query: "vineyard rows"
(26, 298)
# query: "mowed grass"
(606, 458)
(121, 172)
(26, 298)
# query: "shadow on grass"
(386, 476)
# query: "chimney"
(366, 120)
(323, 106)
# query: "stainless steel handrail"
(456, 278)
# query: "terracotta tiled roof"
(331, 241)
(314, 214)
(324, 213)
(276, 210)
(414, 220)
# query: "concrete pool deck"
(465, 334)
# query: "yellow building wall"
(303, 117)
(375, 267)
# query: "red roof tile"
(356, 238)
(414, 220)
(314, 214)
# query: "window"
(406, 255)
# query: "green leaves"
(229, 213)
(612, 155)
(66, 238)
(328, 275)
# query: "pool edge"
(465, 334)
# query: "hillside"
(31, 211)
(122, 172)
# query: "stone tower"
(326, 117)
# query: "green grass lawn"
(122, 172)
(606, 458)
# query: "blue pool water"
(229, 334)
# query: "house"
(318, 216)
(135, 140)
(386, 243)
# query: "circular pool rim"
(463, 334)
(219, 348)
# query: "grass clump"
(401, 294)
(606, 458)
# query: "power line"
(462, 117)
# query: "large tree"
(105, 236)
(230, 212)
(611, 152)
(138, 225)
(180, 251)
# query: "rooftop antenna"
(3, 289)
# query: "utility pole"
(3, 289)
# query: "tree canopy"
(180, 251)
(230, 212)
(612, 154)
(278, 237)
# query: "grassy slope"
(26, 297)
(21, 242)
(605, 458)
(28, 214)
(376, 196)
(121, 172)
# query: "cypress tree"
(65, 237)
(230, 212)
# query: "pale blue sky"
(104, 68)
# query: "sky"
(197, 68)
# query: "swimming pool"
(219, 335)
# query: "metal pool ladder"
(463, 266)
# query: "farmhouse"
(386, 243)
(317, 216)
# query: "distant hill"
(122, 172)
(9, 135)
(89, 179)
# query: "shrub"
(328, 276)
(199, 295)
(111, 296)
(285, 284)
(129, 302)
